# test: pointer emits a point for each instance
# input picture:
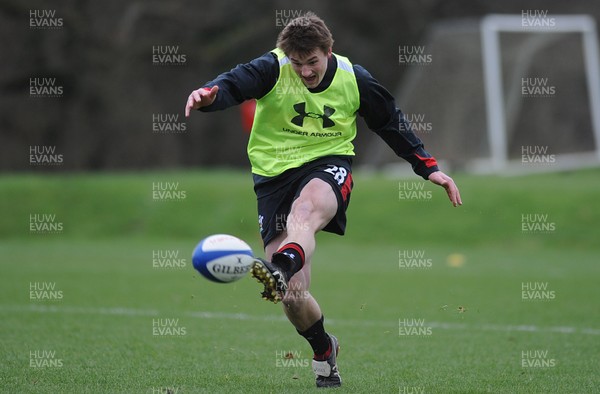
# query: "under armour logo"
(300, 108)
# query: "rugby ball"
(222, 258)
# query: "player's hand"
(439, 178)
(200, 98)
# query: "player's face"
(311, 68)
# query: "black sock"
(318, 339)
(294, 254)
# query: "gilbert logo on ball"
(222, 258)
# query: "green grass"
(101, 330)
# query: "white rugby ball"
(222, 258)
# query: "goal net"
(504, 94)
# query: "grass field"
(424, 298)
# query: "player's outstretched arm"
(439, 178)
(200, 98)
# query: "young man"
(300, 149)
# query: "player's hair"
(304, 34)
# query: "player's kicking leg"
(287, 276)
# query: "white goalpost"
(491, 28)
